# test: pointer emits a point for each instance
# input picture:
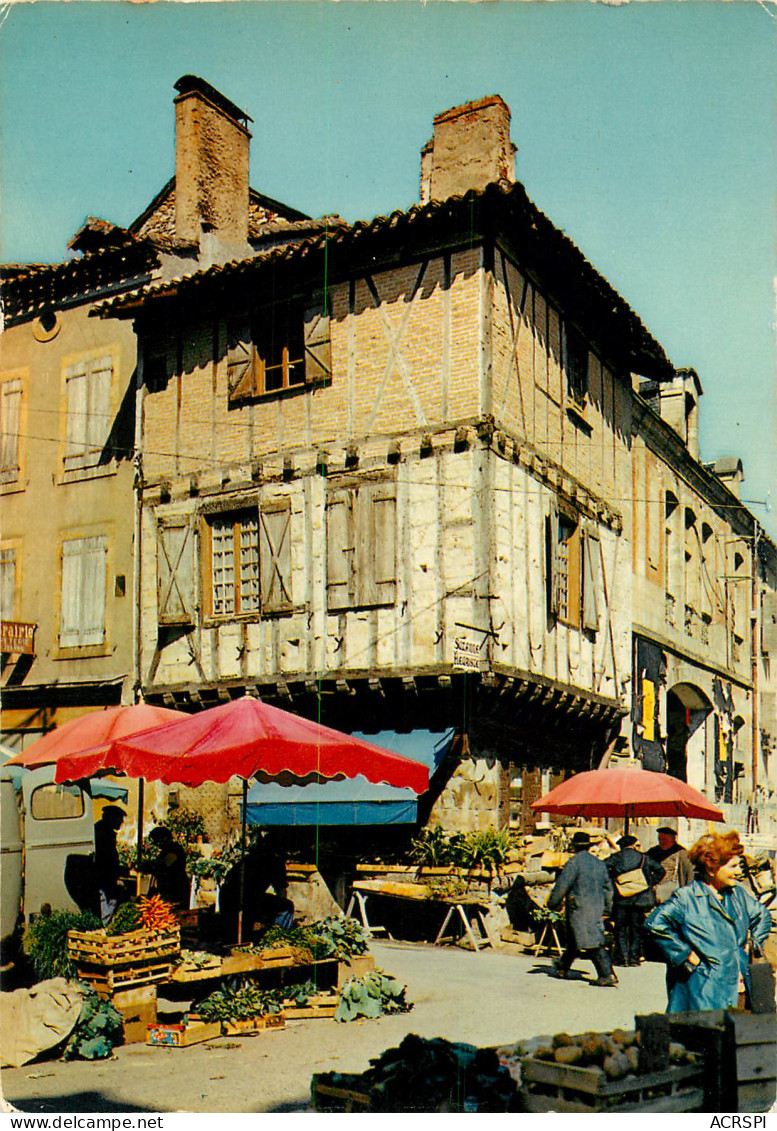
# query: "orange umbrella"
(94, 729)
(626, 793)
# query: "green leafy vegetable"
(45, 942)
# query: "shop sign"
(467, 654)
(17, 637)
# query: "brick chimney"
(471, 147)
(211, 171)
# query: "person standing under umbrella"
(634, 874)
(673, 858)
(585, 884)
(107, 868)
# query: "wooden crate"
(740, 1056)
(138, 1008)
(269, 1022)
(96, 948)
(564, 1088)
(181, 1036)
(106, 980)
(355, 967)
(328, 1098)
(320, 1005)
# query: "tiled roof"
(500, 211)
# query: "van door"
(58, 822)
(10, 856)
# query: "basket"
(567, 1088)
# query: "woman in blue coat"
(704, 927)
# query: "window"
(573, 556)
(175, 570)
(577, 365)
(7, 582)
(568, 571)
(82, 611)
(673, 557)
(10, 416)
(361, 545)
(88, 389)
(56, 803)
(249, 561)
(287, 346)
(234, 564)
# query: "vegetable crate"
(321, 1005)
(565, 1087)
(740, 1054)
(120, 962)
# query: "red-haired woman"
(704, 927)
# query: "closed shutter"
(242, 363)
(275, 557)
(75, 384)
(99, 414)
(93, 594)
(318, 346)
(770, 623)
(82, 605)
(7, 582)
(592, 553)
(10, 412)
(551, 562)
(175, 571)
(376, 544)
(340, 548)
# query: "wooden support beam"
(376, 686)
(409, 685)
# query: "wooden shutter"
(93, 592)
(340, 538)
(592, 553)
(275, 557)
(10, 412)
(82, 606)
(175, 571)
(242, 363)
(99, 408)
(7, 582)
(551, 562)
(376, 544)
(75, 383)
(318, 346)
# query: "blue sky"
(646, 131)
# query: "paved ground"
(486, 999)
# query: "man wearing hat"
(107, 867)
(633, 876)
(585, 884)
(673, 858)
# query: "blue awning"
(354, 802)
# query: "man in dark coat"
(107, 868)
(674, 859)
(585, 884)
(629, 911)
(169, 867)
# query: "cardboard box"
(181, 1036)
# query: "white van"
(41, 825)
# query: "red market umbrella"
(249, 739)
(95, 729)
(626, 793)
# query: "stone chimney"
(731, 471)
(211, 171)
(677, 402)
(471, 148)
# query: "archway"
(687, 707)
